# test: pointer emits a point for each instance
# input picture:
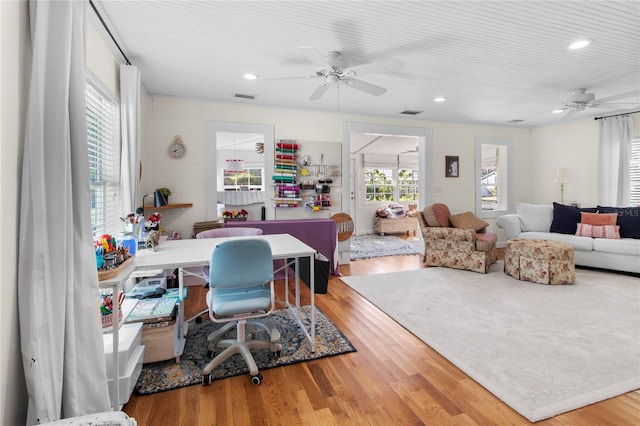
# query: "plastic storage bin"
(128, 380)
(130, 339)
(159, 340)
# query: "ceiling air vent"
(241, 96)
(411, 112)
(515, 121)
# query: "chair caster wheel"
(210, 354)
(257, 379)
(198, 320)
(206, 379)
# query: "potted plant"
(161, 196)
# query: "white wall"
(573, 146)
(15, 51)
(186, 177)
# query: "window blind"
(102, 139)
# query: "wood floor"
(393, 379)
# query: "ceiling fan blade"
(314, 56)
(367, 87)
(567, 115)
(605, 104)
(619, 96)
(318, 92)
(299, 77)
(378, 67)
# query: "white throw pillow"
(535, 217)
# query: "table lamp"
(561, 178)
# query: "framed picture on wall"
(451, 166)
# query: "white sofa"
(533, 221)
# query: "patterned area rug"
(367, 246)
(167, 375)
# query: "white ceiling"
(494, 61)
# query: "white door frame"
(425, 159)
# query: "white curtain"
(130, 147)
(60, 328)
(615, 149)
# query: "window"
(492, 176)
(408, 185)
(634, 172)
(249, 180)
(104, 163)
(390, 178)
(378, 184)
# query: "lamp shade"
(561, 176)
(235, 166)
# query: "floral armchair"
(456, 247)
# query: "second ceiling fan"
(580, 99)
(333, 69)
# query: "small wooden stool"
(539, 261)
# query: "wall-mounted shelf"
(169, 206)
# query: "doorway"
(225, 138)
(388, 142)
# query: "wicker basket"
(110, 273)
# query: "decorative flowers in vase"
(235, 214)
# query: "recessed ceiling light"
(250, 76)
(557, 111)
(439, 99)
(579, 44)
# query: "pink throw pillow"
(599, 219)
(594, 231)
(441, 212)
(429, 216)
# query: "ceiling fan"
(579, 100)
(333, 69)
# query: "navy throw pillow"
(566, 218)
(628, 220)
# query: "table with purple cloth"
(321, 234)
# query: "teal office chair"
(226, 232)
(220, 233)
(241, 290)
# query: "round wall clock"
(177, 149)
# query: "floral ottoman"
(539, 261)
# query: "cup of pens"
(106, 307)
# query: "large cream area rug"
(543, 350)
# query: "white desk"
(181, 254)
